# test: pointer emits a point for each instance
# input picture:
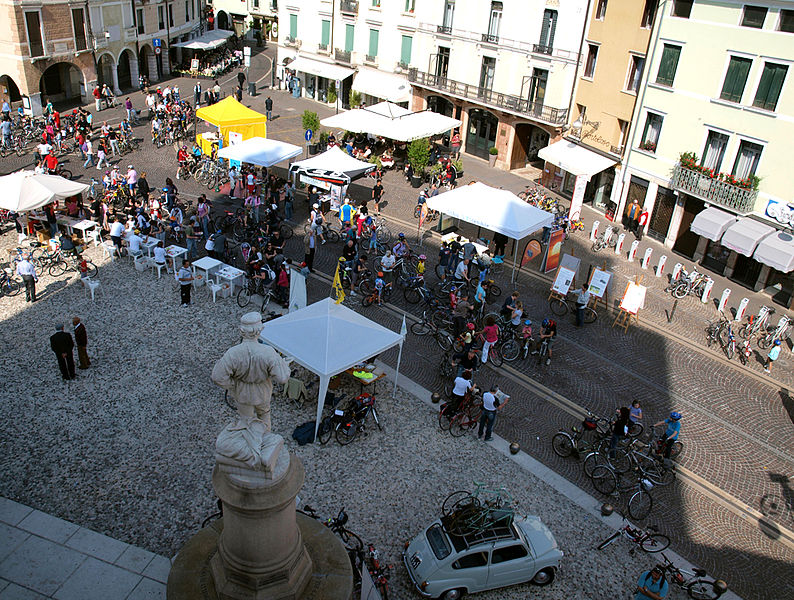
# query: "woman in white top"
(518, 311)
(462, 385)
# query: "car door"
(471, 570)
(510, 563)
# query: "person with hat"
(651, 585)
(316, 221)
(62, 344)
(135, 241)
(771, 357)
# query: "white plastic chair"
(92, 286)
(215, 288)
(110, 250)
(96, 236)
(159, 267)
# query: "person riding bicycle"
(526, 333)
(548, 331)
(181, 158)
(673, 423)
(461, 313)
(52, 163)
(467, 337)
(358, 271)
(401, 248)
(380, 285)
(509, 304)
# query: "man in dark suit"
(81, 338)
(63, 344)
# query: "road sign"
(157, 42)
(157, 50)
(308, 135)
(247, 51)
(246, 61)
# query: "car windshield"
(438, 542)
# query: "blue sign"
(157, 42)
(308, 135)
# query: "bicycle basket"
(589, 424)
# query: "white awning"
(392, 121)
(260, 151)
(575, 159)
(323, 69)
(777, 251)
(207, 41)
(712, 223)
(387, 86)
(744, 235)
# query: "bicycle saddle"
(699, 572)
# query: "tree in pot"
(323, 140)
(493, 153)
(418, 157)
(310, 120)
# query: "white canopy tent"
(260, 151)
(328, 338)
(389, 86)
(332, 167)
(25, 190)
(392, 121)
(497, 210)
(207, 41)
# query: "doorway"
(746, 271)
(482, 132)
(687, 241)
(662, 214)
(529, 140)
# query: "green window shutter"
(770, 85)
(326, 33)
(373, 42)
(349, 32)
(405, 52)
(668, 64)
(293, 26)
(735, 79)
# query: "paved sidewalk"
(42, 556)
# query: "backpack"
(318, 220)
(304, 434)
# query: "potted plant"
(323, 139)
(458, 164)
(493, 153)
(310, 120)
(332, 93)
(354, 98)
(419, 157)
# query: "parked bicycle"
(458, 418)
(566, 444)
(608, 239)
(561, 306)
(355, 419)
(647, 541)
(610, 483)
(780, 332)
(464, 512)
(695, 582)
(694, 285)
(255, 286)
(338, 526)
(756, 324)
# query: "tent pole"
(403, 333)
(324, 379)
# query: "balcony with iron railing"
(349, 6)
(490, 38)
(541, 49)
(444, 29)
(370, 59)
(534, 110)
(343, 56)
(715, 191)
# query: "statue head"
(251, 325)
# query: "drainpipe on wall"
(657, 26)
(91, 37)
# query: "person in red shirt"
(52, 163)
(56, 116)
(641, 222)
(181, 158)
(97, 98)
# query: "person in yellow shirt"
(420, 268)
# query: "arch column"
(134, 73)
(115, 72)
(152, 59)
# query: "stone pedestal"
(260, 552)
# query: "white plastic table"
(84, 226)
(174, 252)
(148, 245)
(206, 264)
(230, 274)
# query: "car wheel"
(455, 594)
(544, 576)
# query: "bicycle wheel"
(444, 340)
(640, 505)
(558, 307)
(635, 429)
(598, 245)
(65, 173)
(604, 480)
(417, 211)
(676, 450)
(445, 417)
(244, 296)
(10, 287)
(562, 444)
(764, 342)
(368, 300)
(460, 424)
(744, 331)
(346, 432)
(495, 356)
(412, 295)
(702, 589)
(58, 268)
(590, 315)
(350, 539)
(333, 236)
(619, 460)
(421, 328)
(681, 291)
(458, 500)
(494, 291)
(609, 540)
(440, 271)
(267, 296)
(92, 270)
(655, 542)
(510, 350)
(593, 460)
(286, 231)
(730, 350)
(325, 430)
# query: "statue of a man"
(248, 370)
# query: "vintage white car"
(448, 567)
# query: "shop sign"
(780, 212)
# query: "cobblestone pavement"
(738, 422)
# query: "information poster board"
(194, 64)
(634, 298)
(562, 283)
(599, 283)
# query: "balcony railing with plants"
(718, 188)
(342, 55)
(534, 110)
(349, 6)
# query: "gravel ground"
(127, 448)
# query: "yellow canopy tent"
(229, 115)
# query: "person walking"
(241, 79)
(63, 345)
(642, 221)
(455, 144)
(185, 278)
(619, 429)
(27, 271)
(191, 238)
(632, 214)
(771, 357)
(651, 585)
(131, 116)
(197, 94)
(309, 246)
(81, 338)
(377, 194)
(582, 300)
(492, 401)
(97, 98)
(89, 152)
(269, 108)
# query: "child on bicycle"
(420, 267)
(526, 334)
(380, 285)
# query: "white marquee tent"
(392, 121)
(332, 167)
(207, 41)
(328, 338)
(25, 190)
(493, 209)
(260, 151)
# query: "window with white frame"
(601, 10)
(651, 132)
(747, 159)
(636, 65)
(714, 150)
